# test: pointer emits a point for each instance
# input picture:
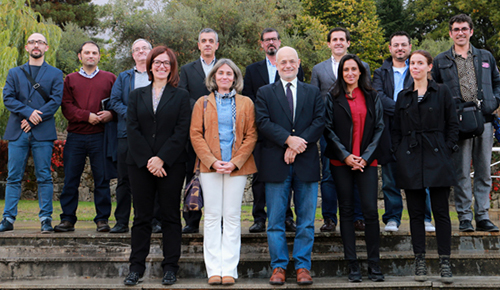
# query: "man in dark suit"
(259, 74)
(31, 125)
(193, 80)
(290, 117)
(324, 75)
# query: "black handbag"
(193, 195)
(470, 119)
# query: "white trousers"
(222, 196)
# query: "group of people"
(266, 124)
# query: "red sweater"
(83, 96)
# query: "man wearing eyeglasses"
(84, 105)
(259, 74)
(31, 126)
(472, 75)
(126, 82)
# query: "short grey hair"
(208, 30)
(141, 39)
(238, 77)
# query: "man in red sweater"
(83, 106)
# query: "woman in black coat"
(158, 119)
(424, 136)
(354, 124)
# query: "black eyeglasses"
(274, 39)
(158, 63)
(39, 42)
(463, 29)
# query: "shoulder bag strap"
(36, 86)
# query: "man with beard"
(259, 74)
(324, 75)
(83, 96)
(31, 125)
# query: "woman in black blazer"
(354, 124)
(158, 119)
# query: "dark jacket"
(193, 80)
(488, 79)
(424, 137)
(274, 121)
(338, 129)
(122, 87)
(163, 134)
(383, 82)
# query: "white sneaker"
(391, 226)
(429, 227)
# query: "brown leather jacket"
(207, 147)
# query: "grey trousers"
(477, 150)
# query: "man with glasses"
(193, 80)
(84, 98)
(126, 82)
(259, 74)
(32, 93)
(472, 75)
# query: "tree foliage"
(80, 12)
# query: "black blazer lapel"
(168, 93)
(301, 98)
(199, 68)
(263, 71)
(147, 98)
(280, 95)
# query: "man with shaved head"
(32, 94)
(290, 117)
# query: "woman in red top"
(354, 124)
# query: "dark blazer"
(193, 80)
(274, 121)
(338, 131)
(122, 87)
(424, 137)
(256, 76)
(163, 134)
(383, 82)
(21, 100)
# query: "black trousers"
(367, 183)
(123, 192)
(259, 193)
(415, 200)
(192, 218)
(144, 188)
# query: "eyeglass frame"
(39, 42)
(158, 63)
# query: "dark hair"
(173, 77)
(267, 30)
(427, 56)
(399, 33)
(347, 34)
(461, 18)
(91, 42)
(208, 30)
(340, 87)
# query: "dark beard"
(272, 52)
(36, 56)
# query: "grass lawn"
(28, 211)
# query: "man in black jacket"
(472, 75)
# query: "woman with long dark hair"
(424, 136)
(354, 124)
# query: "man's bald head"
(287, 63)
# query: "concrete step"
(391, 283)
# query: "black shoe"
(290, 226)
(486, 226)
(420, 268)
(445, 269)
(169, 278)
(257, 227)
(374, 272)
(190, 230)
(5, 226)
(119, 228)
(465, 226)
(102, 226)
(133, 278)
(64, 226)
(354, 272)
(47, 226)
(156, 226)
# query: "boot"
(445, 269)
(354, 272)
(374, 272)
(420, 268)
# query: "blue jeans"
(305, 198)
(329, 192)
(18, 156)
(77, 147)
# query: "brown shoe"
(103, 227)
(278, 277)
(227, 280)
(215, 280)
(328, 226)
(64, 226)
(304, 277)
(359, 225)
